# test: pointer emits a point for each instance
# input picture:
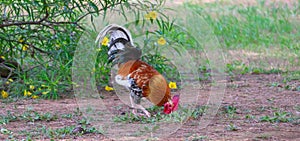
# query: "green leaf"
(94, 6)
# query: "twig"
(26, 22)
(83, 16)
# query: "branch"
(30, 45)
(40, 50)
(26, 22)
(59, 23)
(88, 13)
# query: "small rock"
(78, 129)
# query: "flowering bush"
(43, 44)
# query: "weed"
(68, 116)
(274, 84)
(10, 117)
(59, 132)
(199, 112)
(178, 116)
(264, 136)
(297, 107)
(262, 108)
(197, 138)
(230, 111)
(5, 131)
(35, 116)
(249, 117)
(277, 117)
(205, 73)
(232, 127)
(28, 115)
(130, 118)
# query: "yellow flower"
(34, 97)
(2, 57)
(44, 86)
(9, 81)
(153, 15)
(161, 41)
(57, 46)
(4, 94)
(93, 70)
(173, 85)
(31, 87)
(107, 88)
(147, 17)
(46, 92)
(27, 93)
(24, 47)
(105, 41)
(21, 40)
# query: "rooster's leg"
(134, 110)
(138, 106)
(143, 109)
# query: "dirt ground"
(253, 96)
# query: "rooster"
(137, 76)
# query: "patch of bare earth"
(253, 96)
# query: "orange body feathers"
(153, 84)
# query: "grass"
(27, 116)
(264, 39)
(178, 116)
(247, 26)
(40, 130)
(229, 111)
(278, 116)
(232, 127)
(249, 117)
(297, 107)
(197, 138)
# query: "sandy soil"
(251, 95)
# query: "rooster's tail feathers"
(119, 36)
(120, 48)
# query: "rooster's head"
(171, 105)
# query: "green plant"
(9, 117)
(197, 138)
(297, 107)
(232, 127)
(41, 37)
(5, 131)
(35, 116)
(267, 31)
(199, 112)
(59, 132)
(205, 73)
(68, 116)
(230, 111)
(278, 116)
(249, 117)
